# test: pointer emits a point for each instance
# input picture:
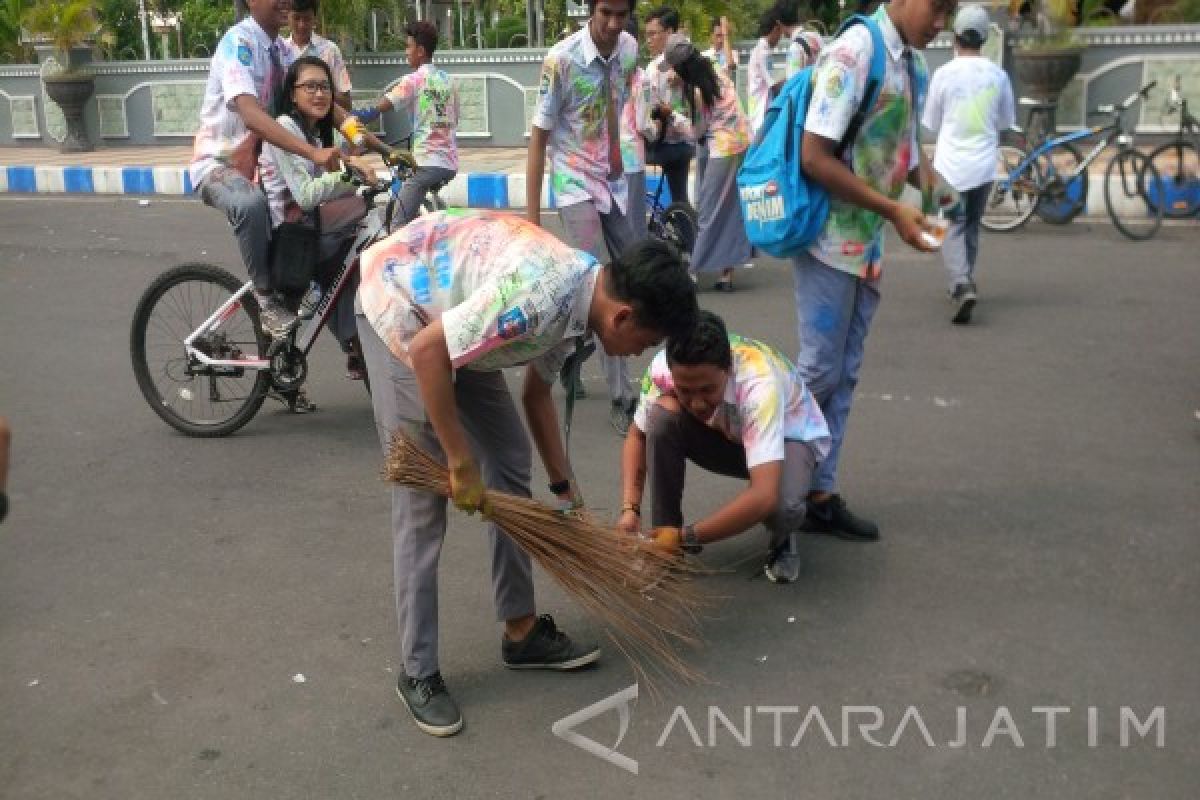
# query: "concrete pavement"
(1034, 474)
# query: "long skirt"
(722, 241)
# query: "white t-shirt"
(970, 101)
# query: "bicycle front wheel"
(1065, 185)
(1014, 195)
(1178, 166)
(1133, 195)
(193, 398)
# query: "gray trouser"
(587, 229)
(962, 237)
(499, 442)
(415, 188)
(675, 437)
(245, 206)
(637, 204)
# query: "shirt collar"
(252, 25)
(891, 36)
(590, 52)
(577, 323)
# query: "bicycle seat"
(1107, 108)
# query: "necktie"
(275, 79)
(615, 166)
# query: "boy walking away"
(244, 79)
(970, 102)
(838, 279)
(447, 303)
(428, 99)
(736, 407)
(586, 79)
(305, 42)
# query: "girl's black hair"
(697, 72)
(285, 105)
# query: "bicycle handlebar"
(1133, 98)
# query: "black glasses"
(313, 87)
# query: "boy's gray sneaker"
(783, 560)
(430, 703)
(964, 298)
(546, 647)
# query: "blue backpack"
(783, 210)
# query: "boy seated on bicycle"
(446, 304)
(429, 100)
(244, 80)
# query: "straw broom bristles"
(641, 597)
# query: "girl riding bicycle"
(301, 192)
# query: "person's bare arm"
(435, 372)
(542, 418)
(819, 163)
(535, 170)
(261, 123)
(633, 479)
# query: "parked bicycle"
(200, 356)
(675, 224)
(1132, 188)
(1178, 161)
(1061, 203)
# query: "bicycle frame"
(1106, 132)
(369, 230)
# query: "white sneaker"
(783, 561)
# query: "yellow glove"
(466, 488)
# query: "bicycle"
(676, 224)
(200, 356)
(1061, 203)
(1129, 181)
(1178, 161)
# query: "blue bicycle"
(1052, 179)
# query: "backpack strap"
(874, 79)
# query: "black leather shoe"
(430, 703)
(831, 516)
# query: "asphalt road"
(1035, 475)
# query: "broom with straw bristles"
(643, 598)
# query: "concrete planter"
(72, 91)
(1045, 73)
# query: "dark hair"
(591, 6)
(285, 105)
(425, 34)
(307, 5)
(651, 277)
(716, 24)
(666, 16)
(969, 39)
(789, 12)
(768, 21)
(697, 72)
(706, 343)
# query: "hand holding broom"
(638, 593)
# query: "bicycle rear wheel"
(1133, 195)
(1014, 196)
(1064, 192)
(680, 226)
(1178, 166)
(192, 398)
